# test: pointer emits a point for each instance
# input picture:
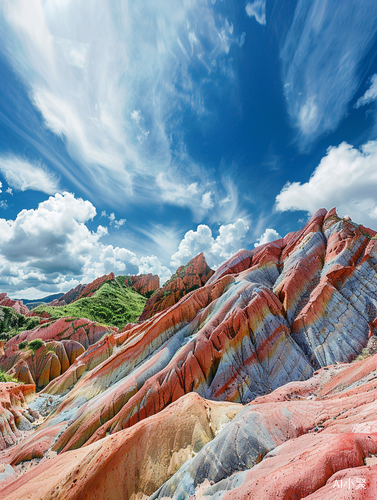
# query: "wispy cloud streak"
(370, 95)
(321, 59)
(257, 9)
(109, 78)
(22, 174)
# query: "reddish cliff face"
(145, 283)
(187, 278)
(15, 304)
(68, 297)
(243, 388)
(89, 290)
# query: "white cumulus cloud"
(117, 223)
(268, 236)
(50, 247)
(346, 178)
(216, 250)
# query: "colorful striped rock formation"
(187, 278)
(62, 342)
(242, 388)
(14, 411)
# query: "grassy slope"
(12, 323)
(114, 303)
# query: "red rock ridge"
(17, 305)
(68, 297)
(90, 289)
(187, 278)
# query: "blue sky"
(134, 135)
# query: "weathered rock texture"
(299, 441)
(81, 330)
(260, 331)
(294, 443)
(187, 278)
(64, 341)
(14, 411)
(17, 305)
(145, 283)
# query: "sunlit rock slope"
(226, 392)
(187, 278)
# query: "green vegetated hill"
(115, 303)
(12, 323)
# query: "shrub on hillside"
(4, 377)
(36, 344)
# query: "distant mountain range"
(31, 303)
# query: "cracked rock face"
(257, 332)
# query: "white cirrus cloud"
(182, 194)
(216, 250)
(108, 78)
(268, 236)
(22, 174)
(50, 247)
(321, 58)
(257, 9)
(346, 178)
(207, 202)
(370, 95)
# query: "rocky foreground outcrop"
(15, 414)
(315, 439)
(263, 348)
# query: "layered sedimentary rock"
(145, 283)
(292, 442)
(14, 411)
(296, 442)
(81, 330)
(63, 342)
(266, 318)
(15, 304)
(45, 364)
(187, 278)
